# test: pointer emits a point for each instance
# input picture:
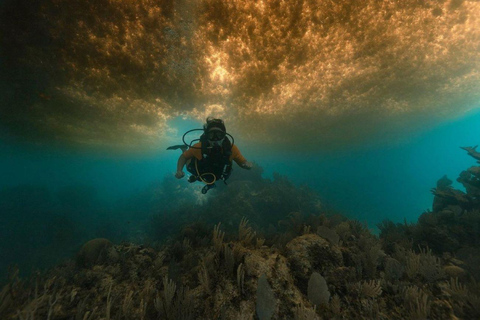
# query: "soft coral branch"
(472, 152)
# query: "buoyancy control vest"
(215, 160)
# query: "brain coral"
(95, 251)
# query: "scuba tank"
(214, 165)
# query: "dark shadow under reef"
(227, 260)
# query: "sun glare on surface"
(114, 72)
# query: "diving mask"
(215, 134)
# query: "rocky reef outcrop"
(452, 228)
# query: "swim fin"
(208, 187)
(178, 146)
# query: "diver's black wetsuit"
(215, 160)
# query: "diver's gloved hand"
(246, 165)
(179, 174)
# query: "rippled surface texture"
(113, 73)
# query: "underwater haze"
(351, 109)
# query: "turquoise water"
(393, 181)
(369, 183)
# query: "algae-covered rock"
(309, 253)
(275, 267)
(96, 251)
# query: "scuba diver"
(210, 159)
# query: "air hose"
(203, 174)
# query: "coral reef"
(451, 229)
(311, 278)
(310, 265)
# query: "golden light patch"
(339, 71)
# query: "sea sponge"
(266, 302)
(318, 290)
(95, 251)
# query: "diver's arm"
(180, 164)
(240, 159)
